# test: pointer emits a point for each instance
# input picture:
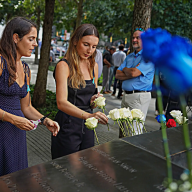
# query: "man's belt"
(135, 91)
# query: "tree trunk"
(79, 13)
(141, 16)
(38, 27)
(39, 96)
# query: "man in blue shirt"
(137, 76)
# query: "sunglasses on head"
(139, 29)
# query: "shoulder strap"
(63, 59)
(26, 68)
(3, 64)
(27, 74)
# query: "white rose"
(114, 114)
(91, 123)
(137, 113)
(125, 113)
(100, 102)
(179, 120)
(175, 113)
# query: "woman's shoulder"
(65, 60)
(62, 65)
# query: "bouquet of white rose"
(178, 116)
(129, 118)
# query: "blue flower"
(161, 118)
(152, 41)
(175, 62)
(172, 55)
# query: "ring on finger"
(99, 119)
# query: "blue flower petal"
(175, 63)
(172, 55)
(161, 118)
(152, 40)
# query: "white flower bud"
(180, 120)
(175, 113)
(187, 185)
(173, 186)
(125, 113)
(100, 102)
(137, 114)
(181, 187)
(114, 114)
(91, 123)
(184, 176)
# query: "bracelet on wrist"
(43, 119)
(3, 116)
(82, 115)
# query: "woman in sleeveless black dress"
(18, 39)
(76, 80)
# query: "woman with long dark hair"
(18, 39)
(76, 78)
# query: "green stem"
(121, 128)
(186, 137)
(108, 126)
(163, 130)
(143, 126)
(103, 109)
(96, 136)
(139, 127)
(106, 110)
(127, 128)
(104, 113)
(132, 127)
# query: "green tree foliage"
(110, 17)
(174, 16)
(34, 9)
(68, 14)
(65, 14)
(10, 9)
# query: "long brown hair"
(76, 79)
(22, 27)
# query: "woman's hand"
(92, 104)
(102, 118)
(23, 123)
(52, 126)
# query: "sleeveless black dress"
(73, 135)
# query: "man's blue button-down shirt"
(145, 80)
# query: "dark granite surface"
(111, 167)
(153, 143)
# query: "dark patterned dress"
(13, 147)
